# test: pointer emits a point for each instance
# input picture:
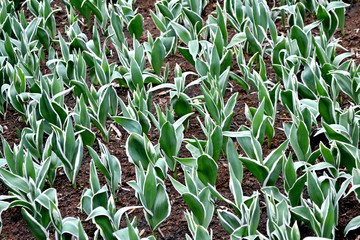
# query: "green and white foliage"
(321, 213)
(181, 103)
(265, 170)
(69, 149)
(171, 136)
(151, 192)
(83, 122)
(135, 116)
(279, 225)
(196, 193)
(45, 13)
(89, 7)
(25, 180)
(214, 144)
(133, 70)
(103, 103)
(91, 197)
(197, 231)
(142, 153)
(157, 51)
(166, 13)
(109, 166)
(131, 232)
(221, 113)
(67, 88)
(67, 227)
(245, 222)
(101, 209)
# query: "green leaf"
(136, 150)
(345, 83)
(229, 221)
(215, 63)
(161, 207)
(187, 55)
(352, 225)
(276, 154)
(287, 99)
(117, 26)
(178, 186)
(149, 190)
(182, 32)
(98, 162)
(210, 105)
(136, 75)
(303, 140)
(289, 172)
(82, 8)
(99, 211)
(43, 37)
(240, 81)
(329, 224)
(9, 155)
(234, 161)
(130, 125)
(157, 56)
(10, 50)
(202, 233)
(255, 214)
(336, 132)
(221, 22)
(36, 229)
(55, 217)
(195, 206)
(274, 172)
(158, 22)
(47, 110)
(181, 105)
(326, 110)
(168, 140)
(105, 225)
(165, 11)
(15, 181)
(302, 40)
(216, 143)
(314, 189)
(87, 136)
(259, 171)
(69, 145)
(100, 74)
(136, 26)
(194, 18)
(194, 48)
(296, 190)
(348, 155)
(253, 42)
(64, 48)
(237, 39)
(207, 170)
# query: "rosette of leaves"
(151, 192)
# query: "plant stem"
(269, 144)
(154, 234)
(175, 174)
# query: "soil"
(175, 227)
